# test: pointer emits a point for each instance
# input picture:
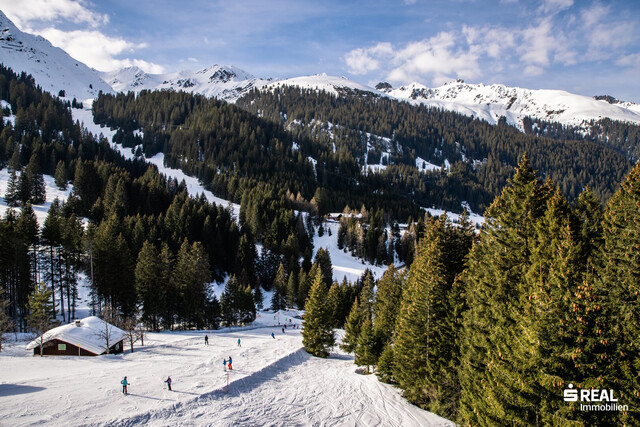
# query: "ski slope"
(274, 382)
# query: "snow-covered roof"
(90, 335)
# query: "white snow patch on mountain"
(51, 67)
(322, 82)
(425, 166)
(490, 102)
(217, 81)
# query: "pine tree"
(150, 279)
(323, 259)
(494, 387)
(11, 196)
(352, 327)
(35, 177)
(387, 303)
(40, 309)
(61, 176)
(317, 334)
(369, 345)
(619, 279)
(279, 299)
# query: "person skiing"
(229, 365)
(224, 363)
(206, 340)
(124, 386)
(273, 336)
(283, 330)
(168, 381)
(239, 343)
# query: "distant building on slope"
(85, 337)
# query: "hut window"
(62, 347)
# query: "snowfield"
(273, 382)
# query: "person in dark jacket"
(168, 381)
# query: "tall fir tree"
(317, 334)
(620, 280)
(40, 309)
(494, 388)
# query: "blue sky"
(587, 47)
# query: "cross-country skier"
(124, 385)
(168, 381)
(239, 343)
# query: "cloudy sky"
(587, 47)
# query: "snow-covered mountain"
(51, 67)
(493, 101)
(223, 82)
(322, 82)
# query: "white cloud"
(362, 61)
(594, 14)
(98, 50)
(24, 12)
(555, 6)
(409, 2)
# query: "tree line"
(491, 329)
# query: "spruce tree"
(11, 196)
(279, 298)
(494, 387)
(352, 328)
(149, 284)
(424, 346)
(317, 334)
(61, 176)
(619, 279)
(369, 345)
(40, 309)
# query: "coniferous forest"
(481, 326)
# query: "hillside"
(52, 68)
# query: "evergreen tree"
(369, 345)
(387, 303)
(61, 176)
(621, 287)
(11, 196)
(279, 299)
(323, 259)
(40, 309)
(35, 177)
(494, 387)
(317, 334)
(352, 327)
(151, 276)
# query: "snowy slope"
(322, 82)
(274, 382)
(491, 102)
(41, 211)
(223, 82)
(51, 67)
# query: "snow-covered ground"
(52, 191)
(274, 382)
(344, 264)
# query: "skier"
(283, 330)
(239, 343)
(273, 336)
(168, 381)
(230, 367)
(124, 386)
(224, 363)
(206, 340)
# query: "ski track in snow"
(274, 382)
